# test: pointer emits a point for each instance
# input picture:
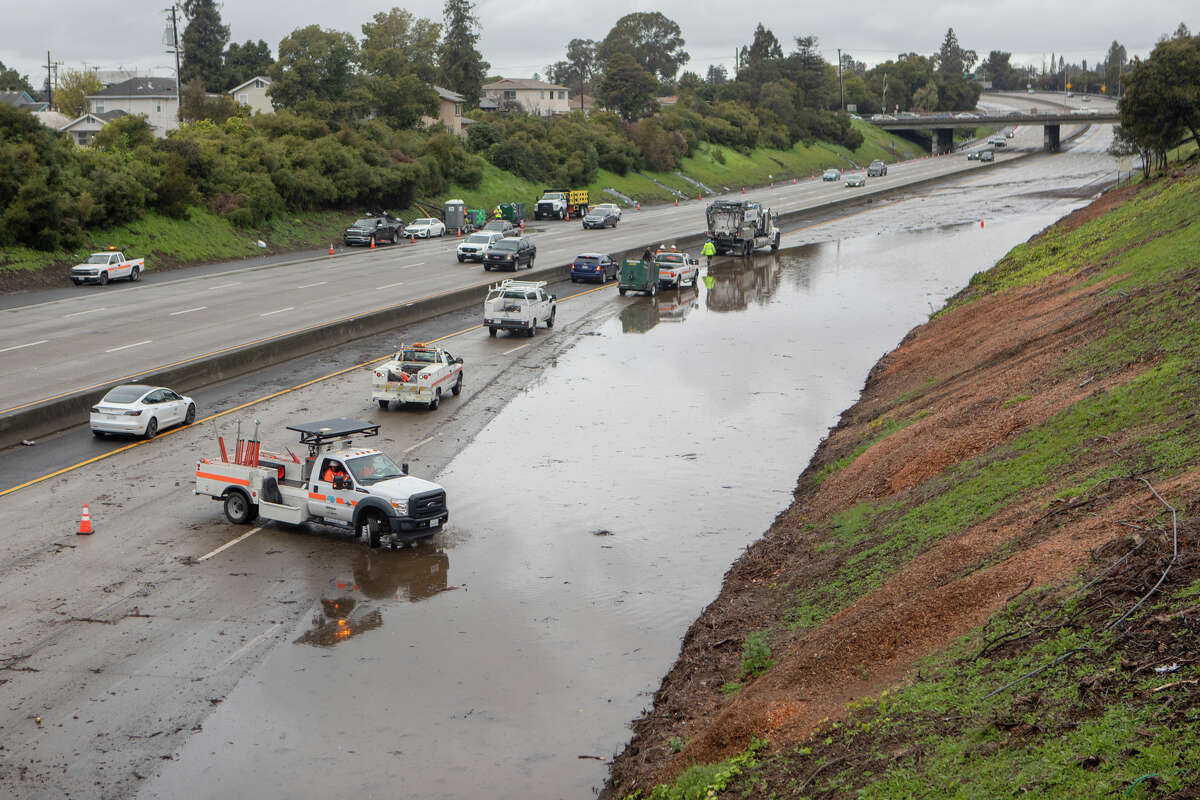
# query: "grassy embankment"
(1120, 716)
(206, 237)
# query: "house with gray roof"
(156, 98)
(84, 128)
(23, 99)
(533, 97)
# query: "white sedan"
(613, 207)
(140, 410)
(425, 228)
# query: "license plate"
(433, 523)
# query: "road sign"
(1068, 85)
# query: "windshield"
(363, 223)
(496, 225)
(373, 469)
(587, 260)
(670, 258)
(98, 258)
(507, 244)
(125, 394)
(478, 238)
(515, 295)
(424, 356)
(422, 222)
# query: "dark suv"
(877, 169)
(381, 227)
(510, 253)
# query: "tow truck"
(418, 373)
(518, 306)
(337, 484)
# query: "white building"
(156, 98)
(534, 97)
(253, 95)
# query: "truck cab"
(561, 203)
(676, 268)
(418, 373)
(519, 306)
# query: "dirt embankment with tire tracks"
(995, 455)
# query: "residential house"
(156, 98)
(450, 111)
(83, 129)
(253, 94)
(23, 99)
(533, 97)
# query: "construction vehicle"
(739, 227)
(336, 484)
(420, 373)
(518, 306)
(561, 204)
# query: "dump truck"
(561, 204)
(739, 227)
(337, 483)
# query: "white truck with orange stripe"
(107, 266)
(418, 373)
(336, 484)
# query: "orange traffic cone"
(85, 523)
(459, 232)
(793, 181)
(522, 226)
(981, 223)
(699, 195)
(412, 238)
(639, 205)
(676, 202)
(743, 190)
(772, 184)
(372, 242)
(331, 248)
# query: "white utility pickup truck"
(518, 306)
(107, 266)
(675, 268)
(337, 484)
(418, 373)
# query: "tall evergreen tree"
(13, 81)
(245, 61)
(461, 66)
(204, 41)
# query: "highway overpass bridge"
(944, 124)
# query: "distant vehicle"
(987, 155)
(831, 175)
(561, 203)
(600, 218)
(518, 306)
(502, 227)
(1014, 114)
(593, 267)
(139, 410)
(380, 227)
(1010, 133)
(996, 141)
(973, 155)
(616, 209)
(965, 116)
(741, 227)
(1029, 91)
(510, 253)
(908, 115)
(1085, 99)
(106, 266)
(856, 180)
(420, 373)
(876, 169)
(474, 246)
(425, 228)
(882, 118)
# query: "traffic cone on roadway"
(700, 196)
(793, 181)
(372, 242)
(412, 238)
(522, 226)
(331, 248)
(85, 523)
(981, 223)
(676, 202)
(743, 190)
(459, 234)
(639, 205)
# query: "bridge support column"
(1050, 138)
(943, 140)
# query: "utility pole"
(175, 49)
(841, 90)
(49, 82)
(885, 93)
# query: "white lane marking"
(418, 444)
(278, 311)
(19, 346)
(241, 651)
(223, 286)
(389, 285)
(127, 346)
(410, 266)
(515, 349)
(229, 544)
(81, 313)
(311, 285)
(187, 311)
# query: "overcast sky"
(520, 37)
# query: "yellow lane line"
(249, 403)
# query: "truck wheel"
(487, 267)
(190, 417)
(621, 289)
(775, 244)
(461, 259)
(491, 330)
(530, 263)
(384, 405)
(550, 322)
(437, 398)
(151, 428)
(135, 275)
(456, 390)
(103, 278)
(238, 508)
(370, 527)
(653, 289)
(76, 281)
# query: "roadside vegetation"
(968, 550)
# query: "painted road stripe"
(187, 311)
(311, 285)
(19, 346)
(223, 286)
(389, 285)
(229, 544)
(515, 349)
(81, 313)
(241, 407)
(410, 266)
(278, 311)
(127, 346)
(418, 444)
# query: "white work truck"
(337, 484)
(418, 373)
(107, 266)
(676, 268)
(518, 306)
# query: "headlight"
(401, 506)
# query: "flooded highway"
(593, 516)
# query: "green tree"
(653, 40)
(765, 47)
(398, 67)
(1162, 96)
(461, 67)
(926, 98)
(204, 41)
(1114, 65)
(952, 59)
(999, 71)
(13, 81)
(245, 61)
(196, 104)
(73, 88)
(716, 75)
(626, 87)
(814, 77)
(315, 72)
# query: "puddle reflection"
(350, 606)
(736, 283)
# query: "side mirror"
(340, 483)
(458, 360)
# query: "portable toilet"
(476, 217)
(455, 215)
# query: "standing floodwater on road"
(592, 520)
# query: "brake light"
(136, 413)
(95, 409)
